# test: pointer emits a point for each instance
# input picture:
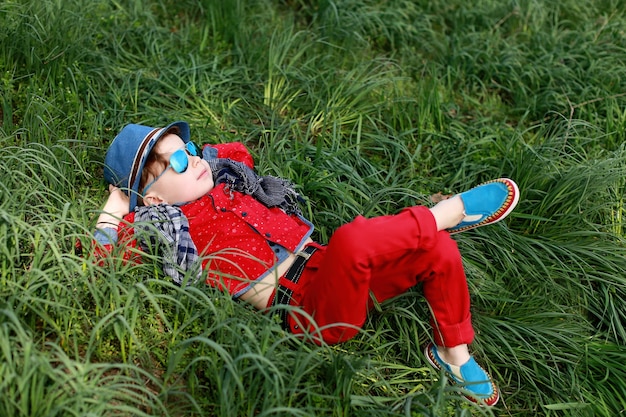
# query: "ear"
(152, 199)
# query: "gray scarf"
(268, 190)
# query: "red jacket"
(233, 235)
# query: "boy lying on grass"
(245, 234)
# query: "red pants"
(384, 256)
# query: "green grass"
(368, 107)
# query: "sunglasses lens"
(179, 161)
(193, 149)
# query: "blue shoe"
(470, 376)
(487, 203)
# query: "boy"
(245, 234)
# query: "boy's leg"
(389, 254)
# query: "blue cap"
(127, 154)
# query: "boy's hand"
(118, 202)
(114, 209)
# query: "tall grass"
(368, 107)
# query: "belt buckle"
(304, 255)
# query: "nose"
(195, 160)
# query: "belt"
(283, 294)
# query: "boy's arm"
(236, 151)
(115, 208)
(108, 224)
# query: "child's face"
(172, 187)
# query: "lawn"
(368, 106)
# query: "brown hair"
(155, 164)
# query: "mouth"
(202, 174)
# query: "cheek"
(175, 186)
(182, 184)
(187, 183)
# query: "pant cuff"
(455, 334)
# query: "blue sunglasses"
(179, 161)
